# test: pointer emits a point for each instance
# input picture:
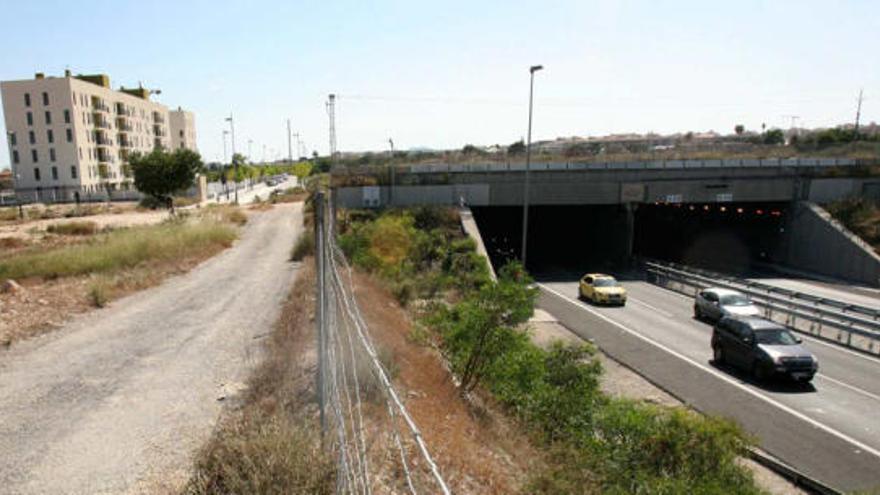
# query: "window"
(51, 154)
(30, 118)
(32, 138)
(181, 133)
(36, 174)
(12, 140)
(54, 173)
(48, 117)
(27, 99)
(45, 99)
(67, 116)
(34, 157)
(73, 171)
(49, 136)
(69, 135)
(15, 158)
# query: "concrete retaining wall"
(817, 243)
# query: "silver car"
(716, 303)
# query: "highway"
(829, 430)
(862, 296)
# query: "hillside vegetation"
(593, 443)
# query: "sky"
(445, 74)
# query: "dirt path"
(119, 398)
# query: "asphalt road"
(830, 430)
(119, 398)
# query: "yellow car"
(601, 289)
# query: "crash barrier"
(849, 325)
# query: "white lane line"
(836, 347)
(726, 378)
(651, 307)
(851, 387)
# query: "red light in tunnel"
(776, 213)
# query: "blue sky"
(443, 74)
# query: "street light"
(525, 228)
(234, 162)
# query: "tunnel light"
(723, 209)
(739, 210)
(705, 207)
(776, 213)
(759, 212)
(691, 207)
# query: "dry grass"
(73, 228)
(12, 243)
(269, 444)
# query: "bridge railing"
(850, 325)
(488, 167)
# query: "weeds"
(99, 293)
(305, 246)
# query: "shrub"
(73, 228)
(305, 246)
(99, 293)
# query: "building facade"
(69, 137)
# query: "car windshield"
(605, 282)
(735, 300)
(775, 336)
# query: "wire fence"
(377, 445)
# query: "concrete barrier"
(815, 242)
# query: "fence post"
(320, 302)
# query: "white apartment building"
(70, 136)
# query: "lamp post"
(234, 162)
(525, 228)
(391, 166)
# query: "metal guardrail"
(429, 168)
(823, 317)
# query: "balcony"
(123, 125)
(157, 143)
(123, 154)
(158, 118)
(102, 140)
(124, 142)
(122, 110)
(159, 131)
(104, 156)
(102, 123)
(99, 106)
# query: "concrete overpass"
(567, 183)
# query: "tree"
(470, 149)
(739, 129)
(516, 148)
(302, 170)
(160, 174)
(774, 136)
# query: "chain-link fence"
(377, 444)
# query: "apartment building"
(70, 136)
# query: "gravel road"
(117, 400)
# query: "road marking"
(851, 387)
(726, 378)
(652, 307)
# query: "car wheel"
(718, 354)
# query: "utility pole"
(391, 164)
(225, 132)
(858, 114)
(250, 142)
(331, 112)
(525, 228)
(234, 162)
(289, 146)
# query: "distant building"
(71, 135)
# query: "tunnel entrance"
(730, 237)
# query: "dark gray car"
(762, 347)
